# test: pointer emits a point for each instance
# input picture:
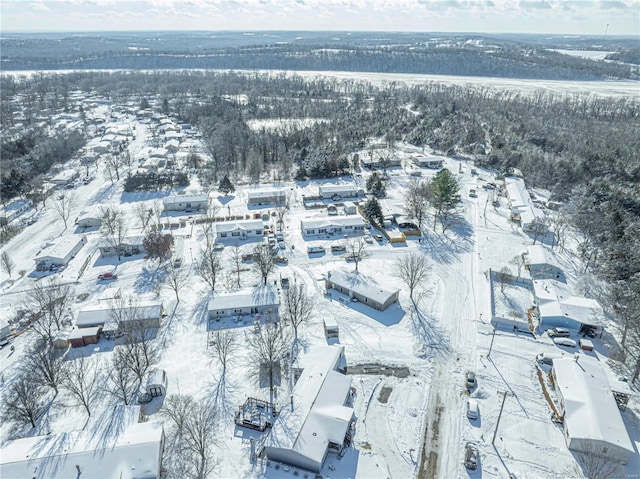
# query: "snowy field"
(448, 334)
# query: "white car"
(472, 409)
(565, 342)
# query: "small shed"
(350, 208)
(586, 344)
(157, 383)
(331, 328)
(79, 338)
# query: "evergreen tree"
(226, 186)
(373, 211)
(444, 197)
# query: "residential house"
(361, 288)
(13, 210)
(542, 263)
(130, 245)
(61, 252)
(318, 422)
(186, 203)
(558, 307)
(64, 178)
(428, 161)
(332, 225)
(266, 197)
(522, 208)
(340, 191)
(239, 230)
(263, 301)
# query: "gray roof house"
(362, 288)
(262, 300)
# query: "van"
(472, 409)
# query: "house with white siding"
(361, 288)
(239, 230)
(332, 225)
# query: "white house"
(522, 208)
(558, 307)
(592, 421)
(332, 225)
(318, 421)
(542, 263)
(340, 191)
(5, 327)
(61, 252)
(239, 230)
(136, 453)
(362, 288)
(350, 208)
(265, 197)
(428, 161)
(64, 177)
(147, 314)
(13, 210)
(130, 245)
(91, 218)
(186, 203)
(262, 300)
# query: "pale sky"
(490, 16)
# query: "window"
(223, 235)
(322, 230)
(235, 233)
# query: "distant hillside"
(443, 54)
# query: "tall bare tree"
(209, 266)
(63, 206)
(82, 380)
(45, 365)
(224, 347)
(263, 261)
(414, 270)
(236, 262)
(518, 262)
(114, 228)
(7, 263)
(143, 213)
(49, 302)
(416, 202)
(282, 208)
(269, 347)
(24, 402)
(504, 278)
(539, 228)
(356, 249)
(297, 307)
(191, 436)
(176, 280)
(598, 463)
(121, 378)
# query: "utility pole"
(493, 336)
(495, 432)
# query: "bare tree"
(356, 249)
(539, 228)
(223, 347)
(263, 261)
(416, 202)
(143, 213)
(24, 402)
(597, 462)
(81, 379)
(236, 262)
(269, 347)
(63, 206)
(7, 263)
(122, 381)
(518, 262)
(176, 280)
(297, 307)
(191, 427)
(114, 228)
(209, 266)
(48, 302)
(45, 364)
(158, 245)
(282, 208)
(113, 163)
(413, 269)
(504, 278)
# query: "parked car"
(470, 380)
(565, 342)
(336, 247)
(558, 333)
(473, 412)
(285, 283)
(547, 358)
(107, 275)
(378, 237)
(470, 456)
(281, 259)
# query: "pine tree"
(226, 186)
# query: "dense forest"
(584, 149)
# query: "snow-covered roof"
(83, 332)
(520, 200)
(245, 298)
(360, 284)
(318, 415)
(134, 454)
(259, 194)
(591, 411)
(337, 189)
(61, 249)
(99, 314)
(93, 212)
(539, 254)
(177, 199)
(331, 222)
(247, 225)
(555, 299)
(64, 176)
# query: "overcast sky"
(505, 16)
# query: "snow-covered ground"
(448, 334)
